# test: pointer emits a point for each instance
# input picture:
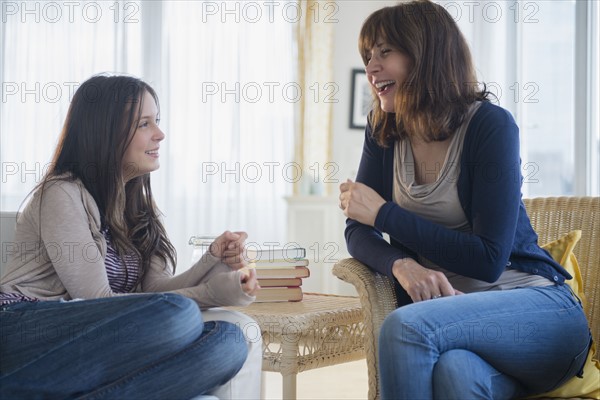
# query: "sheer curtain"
(225, 79)
(315, 74)
(229, 95)
(45, 55)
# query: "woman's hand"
(421, 283)
(229, 248)
(250, 284)
(360, 202)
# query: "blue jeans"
(152, 346)
(487, 345)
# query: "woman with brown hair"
(483, 312)
(73, 316)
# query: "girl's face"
(387, 68)
(141, 155)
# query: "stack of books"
(280, 271)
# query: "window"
(541, 60)
(545, 93)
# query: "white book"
(302, 262)
(255, 253)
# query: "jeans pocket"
(575, 367)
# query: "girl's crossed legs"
(140, 346)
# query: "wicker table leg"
(289, 387)
(319, 331)
(289, 360)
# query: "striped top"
(122, 273)
(10, 298)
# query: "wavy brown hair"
(433, 100)
(99, 126)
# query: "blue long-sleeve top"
(489, 191)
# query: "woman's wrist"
(400, 265)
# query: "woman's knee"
(180, 307)
(166, 319)
(399, 326)
(391, 322)
(155, 302)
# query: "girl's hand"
(360, 202)
(229, 248)
(421, 283)
(250, 284)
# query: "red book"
(302, 262)
(274, 282)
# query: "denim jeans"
(487, 345)
(246, 385)
(152, 346)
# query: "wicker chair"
(551, 217)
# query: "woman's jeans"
(487, 345)
(132, 347)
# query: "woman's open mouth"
(384, 86)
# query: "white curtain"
(228, 98)
(225, 80)
(45, 54)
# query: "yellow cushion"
(562, 252)
(588, 387)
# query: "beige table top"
(320, 330)
(313, 307)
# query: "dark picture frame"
(361, 100)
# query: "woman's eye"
(157, 122)
(385, 51)
(143, 125)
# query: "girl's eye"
(385, 51)
(157, 121)
(143, 125)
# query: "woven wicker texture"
(551, 218)
(319, 331)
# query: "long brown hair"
(99, 126)
(433, 100)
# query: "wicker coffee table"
(319, 331)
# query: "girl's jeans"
(152, 346)
(246, 385)
(487, 345)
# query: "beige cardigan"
(59, 252)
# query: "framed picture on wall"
(361, 101)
